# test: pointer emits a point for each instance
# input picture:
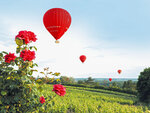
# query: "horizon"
(112, 34)
(121, 78)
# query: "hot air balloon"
(57, 21)
(82, 58)
(110, 79)
(119, 71)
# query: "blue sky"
(112, 34)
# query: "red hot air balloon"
(57, 21)
(82, 58)
(110, 79)
(119, 71)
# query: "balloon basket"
(56, 41)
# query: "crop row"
(84, 101)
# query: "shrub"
(143, 86)
(18, 91)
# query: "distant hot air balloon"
(82, 58)
(57, 21)
(110, 79)
(119, 71)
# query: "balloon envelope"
(82, 58)
(57, 21)
(119, 71)
(110, 79)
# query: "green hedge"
(129, 91)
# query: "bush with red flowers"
(18, 92)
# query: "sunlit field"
(88, 100)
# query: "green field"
(88, 100)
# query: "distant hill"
(113, 79)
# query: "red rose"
(59, 89)
(27, 55)
(32, 36)
(10, 57)
(27, 36)
(42, 99)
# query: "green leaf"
(4, 52)
(17, 60)
(8, 77)
(18, 49)
(34, 70)
(56, 74)
(42, 73)
(1, 58)
(19, 42)
(3, 93)
(1, 54)
(40, 88)
(33, 47)
(30, 63)
(50, 72)
(35, 64)
(30, 72)
(58, 80)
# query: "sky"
(113, 34)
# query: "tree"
(65, 79)
(143, 86)
(114, 84)
(71, 80)
(80, 82)
(90, 80)
(127, 84)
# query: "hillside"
(87, 100)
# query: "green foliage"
(143, 86)
(129, 85)
(18, 91)
(89, 100)
(90, 80)
(111, 88)
(49, 77)
(114, 84)
(80, 82)
(67, 80)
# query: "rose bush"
(18, 92)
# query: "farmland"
(88, 100)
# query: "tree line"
(141, 88)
